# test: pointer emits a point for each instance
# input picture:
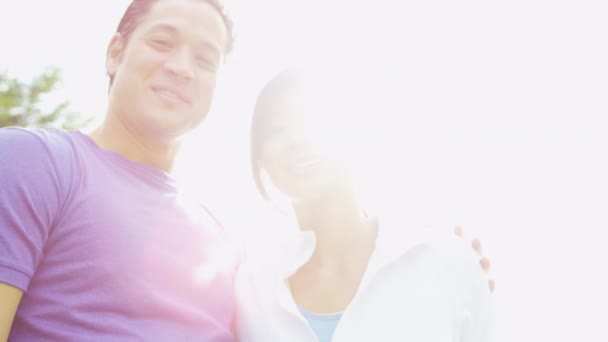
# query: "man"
(96, 242)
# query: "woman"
(345, 275)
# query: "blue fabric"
(323, 325)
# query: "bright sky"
(492, 116)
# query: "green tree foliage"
(23, 104)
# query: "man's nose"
(181, 64)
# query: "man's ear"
(114, 54)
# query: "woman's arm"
(472, 301)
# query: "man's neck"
(115, 136)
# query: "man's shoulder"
(23, 140)
(27, 153)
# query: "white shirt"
(418, 287)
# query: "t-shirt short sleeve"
(29, 203)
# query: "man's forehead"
(180, 15)
(172, 29)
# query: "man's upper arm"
(29, 202)
(9, 301)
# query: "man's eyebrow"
(163, 27)
(207, 46)
(173, 30)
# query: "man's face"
(165, 75)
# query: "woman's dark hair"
(280, 85)
(138, 8)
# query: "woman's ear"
(114, 54)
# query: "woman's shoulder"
(456, 256)
(452, 256)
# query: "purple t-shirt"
(106, 249)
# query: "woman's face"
(298, 145)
